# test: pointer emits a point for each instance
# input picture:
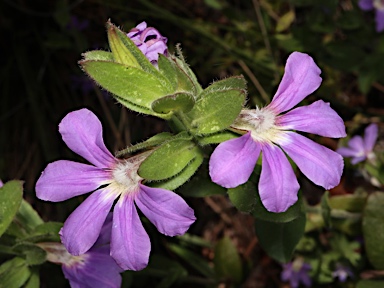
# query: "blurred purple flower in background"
(378, 6)
(95, 268)
(269, 131)
(109, 178)
(76, 24)
(342, 272)
(296, 272)
(360, 148)
(149, 41)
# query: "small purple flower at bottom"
(342, 272)
(95, 268)
(378, 6)
(109, 178)
(149, 41)
(269, 131)
(296, 272)
(360, 148)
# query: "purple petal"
(347, 152)
(130, 245)
(379, 18)
(159, 47)
(97, 270)
(278, 185)
(320, 164)
(63, 179)
(82, 132)
(233, 161)
(300, 79)
(370, 137)
(318, 118)
(358, 159)
(105, 232)
(83, 226)
(357, 144)
(166, 210)
(366, 4)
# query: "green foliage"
(227, 261)
(373, 229)
(11, 195)
(280, 239)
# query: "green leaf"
(128, 83)
(183, 176)
(98, 55)
(285, 21)
(28, 216)
(121, 53)
(46, 232)
(181, 101)
(326, 209)
(168, 160)
(11, 195)
(180, 62)
(227, 261)
(216, 110)
(217, 137)
(34, 255)
(234, 82)
(370, 284)
(346, 249)
(14, 273)
(168, 68)
(151, 142)
(194, 260)
(373, 229)
(34, 280)
(280, 239)
(348, 202)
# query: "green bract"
(11, 195)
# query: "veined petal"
(97, 270)
(83, 134)
(366, 4)
(278, 185)
(130, 244)
(105, 232)
(83, 226)
(320, 164)
(318, 118)
(379, 19)
(370, 137)
(64, 179)
(301, 78)
(233, 161)
(165, 209)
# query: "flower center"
(261, 123)
(125, 176)
(378, 4)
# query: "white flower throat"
(378, 4)
(125, 178)
(261, 123)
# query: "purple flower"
(95, 268)
(149, 41)
(378, 5)
(296, 272)
(269, 131)
(342, 272)
(360, 148)
(109, 178)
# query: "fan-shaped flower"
(269, 131)
(149, 41)
(378, 6)
(109, 178)
(296, 272)
(360, 148)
